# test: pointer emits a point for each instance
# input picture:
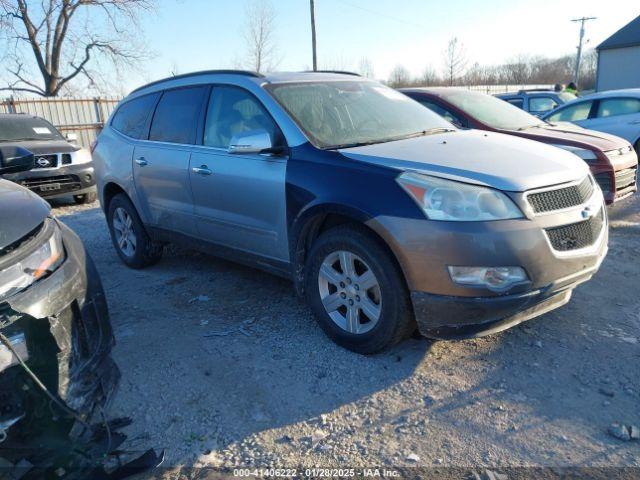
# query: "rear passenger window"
(132, 117)
(176, 117)
(232, 111)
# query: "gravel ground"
(224, 366)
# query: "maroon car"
(612, 160)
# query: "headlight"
(82, 156)
(585, 154)
(35, 266)
(455, 201)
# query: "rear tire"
(85, 198)
(128, 235)
(372, 285)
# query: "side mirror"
(253, 141)
(71, 137)
(15, 159)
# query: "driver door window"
(541, 104)
(572, 113)
(232, 111)
(443, 112)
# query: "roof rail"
(525, 90)
(203, 72)
(341, 72)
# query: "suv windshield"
(18, 127)
(492, 111)
(342, 114)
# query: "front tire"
(357, 291)
(128, 235)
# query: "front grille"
(561, 198)
(604, 181)
(66, 159)
(577, 235)
(625, 178)
(46, 161)
(53, 185)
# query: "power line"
(390, 17)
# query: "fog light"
(493, 278)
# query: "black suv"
(61, 168)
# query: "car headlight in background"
(82, 156)
(37, 265)
(442, 199)
(588, 156)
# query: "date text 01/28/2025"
(317, 472)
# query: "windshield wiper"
(430, 131)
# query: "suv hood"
(21, 212)
(40, 147)
(495, 160)
(569, 134)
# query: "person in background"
(558, 87)
(572, 88)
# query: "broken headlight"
(34, 266)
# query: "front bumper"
(56, 182)
(65, 321)
(444, 309)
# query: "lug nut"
(349, 281)
(356, 286)
(341, 284)
(351, 302)
(357, 298)
(343, 295)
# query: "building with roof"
(619, 59)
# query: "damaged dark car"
(57, 376)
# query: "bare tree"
(399, 77)
(365, 68)
(54, 40)
(429, 77)
(455, 60)
(262, 51)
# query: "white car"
(616, 112)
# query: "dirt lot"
(224, 365)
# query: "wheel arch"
(320, 218)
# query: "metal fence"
(83, 116)
(495, 89)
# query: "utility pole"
(576, 73)
(313, 35)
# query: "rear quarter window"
(132, 117)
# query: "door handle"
(202, 170)
(141, 161)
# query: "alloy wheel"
(350, 292)
(124, 233)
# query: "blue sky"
(189, 35)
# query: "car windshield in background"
(492, 111)
(344, 114)
(14, 128)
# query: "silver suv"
(384, 215)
